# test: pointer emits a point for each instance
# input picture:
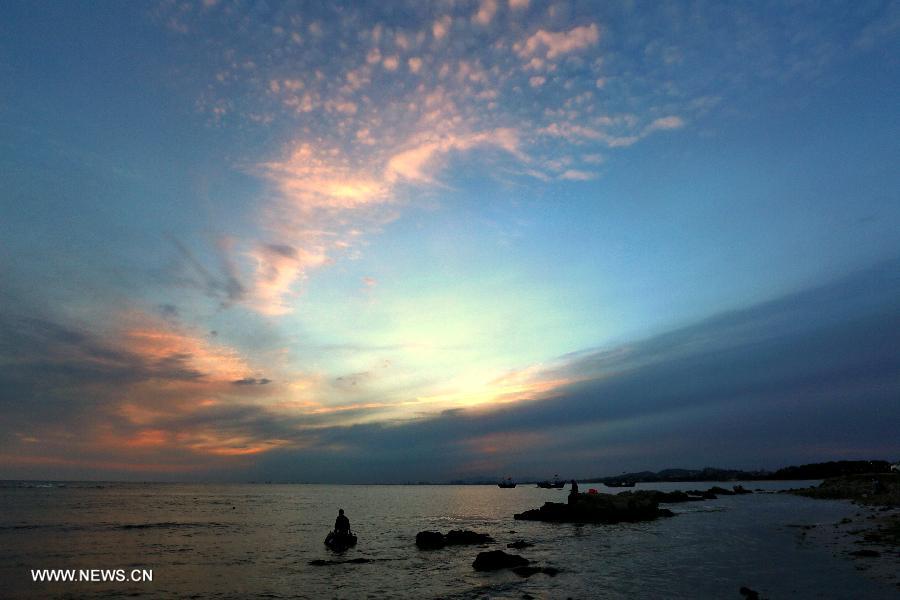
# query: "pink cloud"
(391, 63)
(486, 11)
(441, 26)
(553, 44)
(664, 123)
(417, 162)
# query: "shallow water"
(233, 541)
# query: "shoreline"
(871, 537)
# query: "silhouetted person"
(573, 493)
(342, 523)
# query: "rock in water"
(430, 540)
(461, 537)
(497, 559)
(433, 540)
(600, 508)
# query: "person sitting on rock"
(342, 523)
(573, 493)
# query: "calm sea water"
(237, 541)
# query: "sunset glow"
(367, 241)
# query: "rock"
(497, 559)
(434, 540)
(669, 497)
(519, 544)
(600, 508)
(748, 593)
(459, 537)
(881, 489)
(430, 540)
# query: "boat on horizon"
(556, 484)
(618, 484)
(509, 483)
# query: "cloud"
(416, 162)
(486, 11)
(576, 175)
(615, 132)
(323, 201)
(222, 283)
(781, 371)
(391, 63)
(169, 401)
(665, 123)
(441, 26)
(275, 272)
(359, 133)
(251, 381)
(552, 44)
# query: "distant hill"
(811, 471)
(833, 469)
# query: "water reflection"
(234, 540)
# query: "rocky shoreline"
(630, 506)
(871, 537)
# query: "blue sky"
(345, 241)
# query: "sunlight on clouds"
(161, 346)
(414, 164)
(361, 130)
(552, 44)
(486, 11)
(366, 129)
(441, 26)
(311, 179)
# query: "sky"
(402, 241)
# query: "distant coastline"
(811, 471)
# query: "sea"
(266, 541)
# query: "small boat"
(509, 483)
(556, 484)
(618, 484)
(340, 541)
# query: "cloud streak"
(161, 395)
